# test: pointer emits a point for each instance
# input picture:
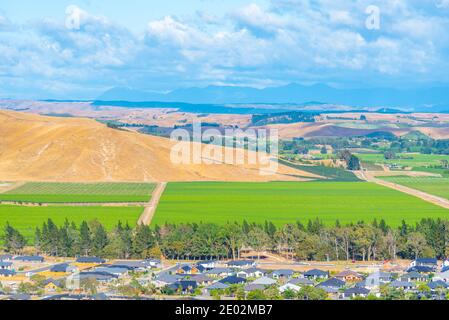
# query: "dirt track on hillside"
(151, 207)
(441, 202)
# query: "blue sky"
(165, 45)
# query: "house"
(438, 284)
(332, 285)
(233, 280)
(207, 265)
(32, 259)
(7, 273)
(188, 269)
(138, 265)
(241, 264)
(414, 276)
(251, 273)
(63, 268)
(220, 272)
(301, 282)
(264, 281)
(282, 274)
(443, 276)
(90, 260)
(184, 286)
(253, 286)
(99, 276)
(316, 274)
(165, 279)
(421, 269)
(216, 286)
(425, 262)
(118, 271)
(349, 276)
(356, 292)
(404, 285)
(376, 279)
(201, 279)
(51, 285)
(6, 265)
(289, 286)
(5, 257)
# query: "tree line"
(310, 241)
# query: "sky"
(58, 49)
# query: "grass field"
(288, 202)
(26, 219)
(433, 185)
(79, 192)
(409, 160)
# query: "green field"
(42, 192)
(288, 202)
(433, 185)
(26, 219)
(407, 160)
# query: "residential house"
(165, 279)
(241, 264)
(404, 285)
(220, 272)
(90, 260)
(184, 286)
(332, 285)
(301, 282)
(63, 268)
(414, 276)
(51, 285)
(5, 257)
(443, 276)
(138, 265)
(421, 269)
(118, 271)
(264, 281)
(425, 262)
(31, 259)
(216, 286)
(376, 279)
(289, 286)
(207, 265)
(316, 274)
(201, 279)
(349, 276)
(282, 274)
(99, 276)
(188, 269)
(251, 273)
(233, 280)
(356, 292)
(6, 265)
(7, 273)
(438, 284)
(253, 286)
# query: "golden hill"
(37, 148)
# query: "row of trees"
(311, 241)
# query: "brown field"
(37, 148)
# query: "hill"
(39, 148)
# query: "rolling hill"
(38, 148)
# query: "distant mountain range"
(425, 99)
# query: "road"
(441, 202)
(151, 207)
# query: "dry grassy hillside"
(37, 148)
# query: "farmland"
(432, 185)
(41, 192)
(413, 160)
(289, 202)
(26, 219)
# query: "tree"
(416, 243)
(258, 240)
(84, 240)
(311, 293)
(14, 241)
(354, 163)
